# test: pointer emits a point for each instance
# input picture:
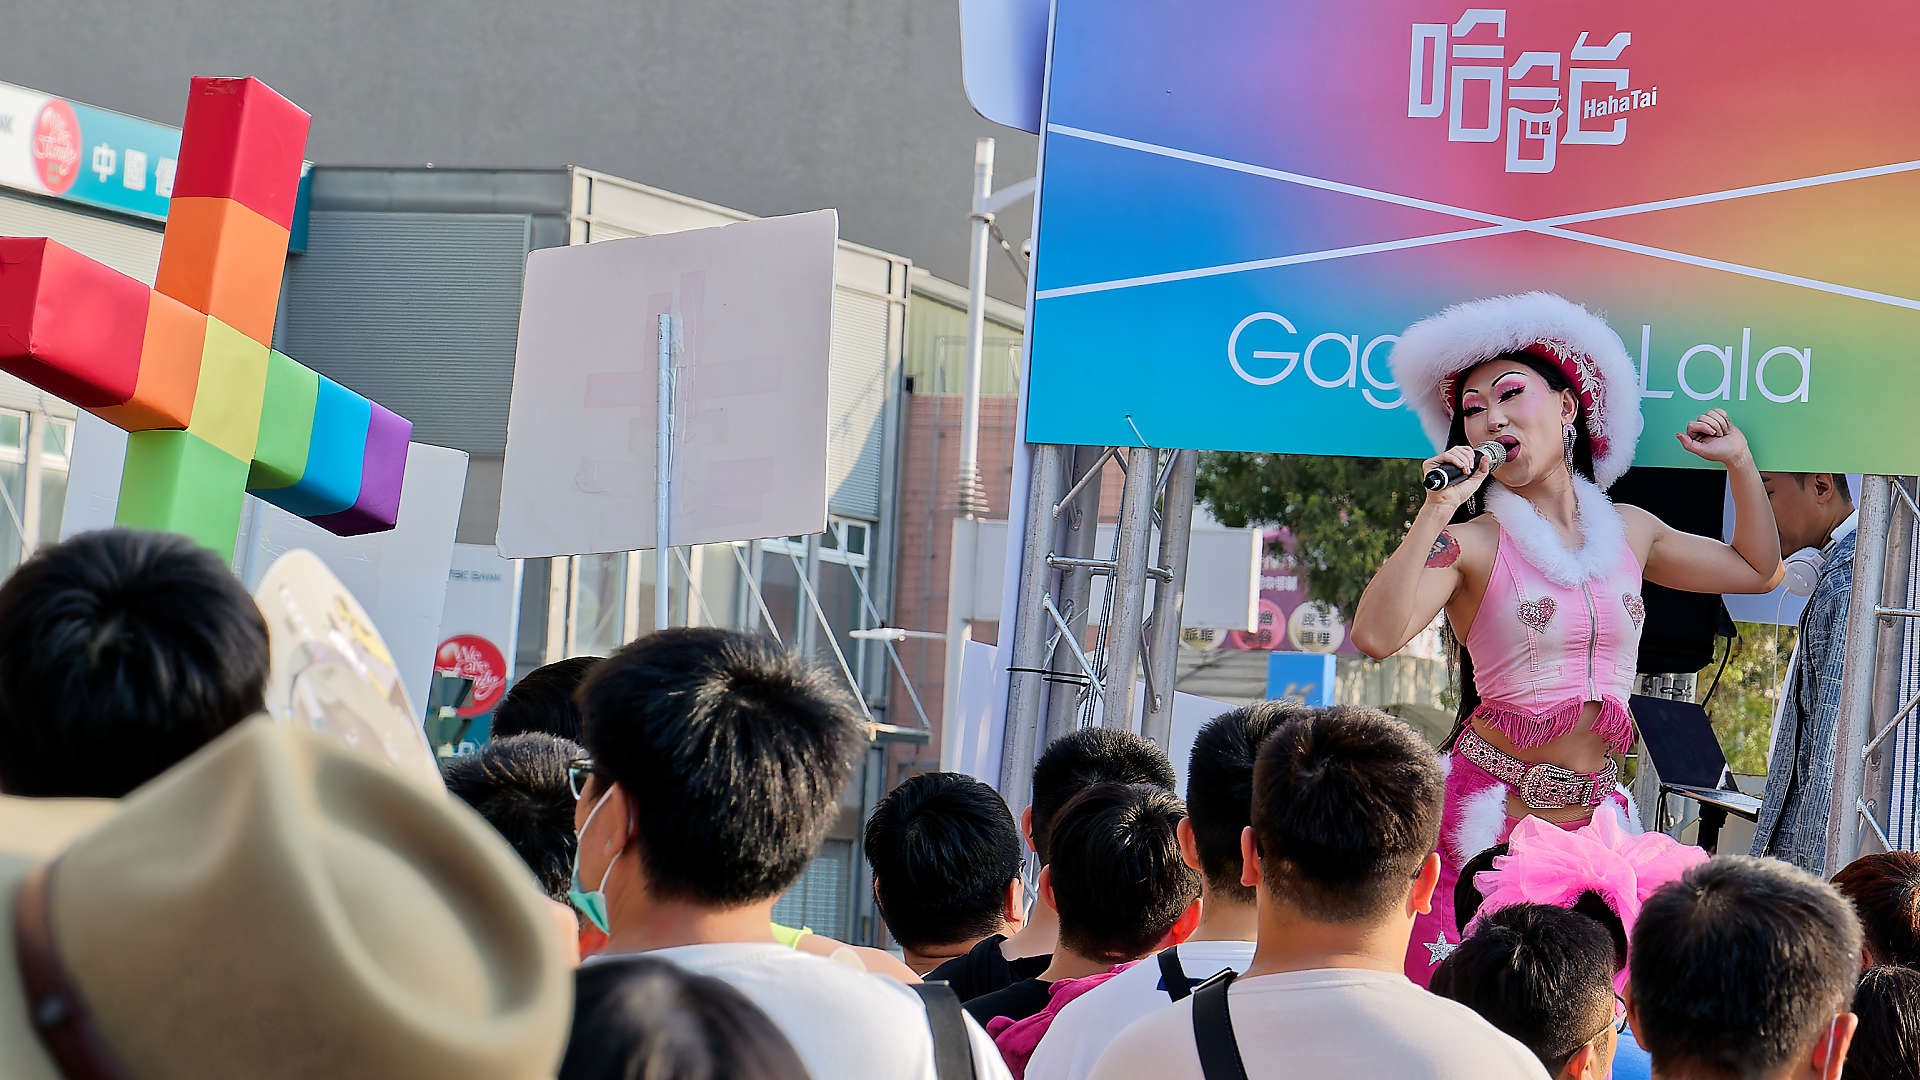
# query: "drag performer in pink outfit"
(1538, 572)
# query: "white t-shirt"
(1332, 1022)
(843, 1022)
(1091, 1021)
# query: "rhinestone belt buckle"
(1546, 786)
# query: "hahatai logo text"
(1455, 68)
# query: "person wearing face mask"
(1816, 518)
(717, 763)
(1539, 575)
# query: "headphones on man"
(1803, 571)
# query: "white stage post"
(972, 495)
(960, 574)
(663, 475)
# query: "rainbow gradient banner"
(1243, 202)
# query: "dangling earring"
(1572, 435)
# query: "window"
(56, 441)
(600, 604)
(607, 600)
(836, 564)
(818, 900)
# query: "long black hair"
(1556, 380)
(640, 1016)
(1887, 1043)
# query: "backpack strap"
(952, 1049)
(1173, 977)
(1213, 1030)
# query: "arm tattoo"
(1446, 551)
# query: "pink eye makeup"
(1509, 388)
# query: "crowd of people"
(190, 889)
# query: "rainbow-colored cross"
(187, 367)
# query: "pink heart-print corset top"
(1542, 650)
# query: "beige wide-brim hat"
(280, 906)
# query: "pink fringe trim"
(1615, 723)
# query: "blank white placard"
(754, 302)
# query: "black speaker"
(1680, 628)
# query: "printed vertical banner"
(1243, 203)
(67, 150)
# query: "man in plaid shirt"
(1813, 511)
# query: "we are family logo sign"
(1243, 204)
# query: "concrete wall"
(768, 106)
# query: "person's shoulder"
(983, 969)
(1636, 517)
(1158, 1045)
(1016, 1001)
(789, 970)
(1479, 529)
(1478, 539)
(985, 1006)
(1642, 526)
(1087, 1004)
(1836, 577)
(967, 961)
(1470, 1042)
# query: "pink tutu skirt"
(1474, 820)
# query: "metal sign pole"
(1855, 725)
(663, 475)
(1872, 680)
(1079, 515)
(1876, 787)
(1129, 587)
(1170, 594)
(1026, 683)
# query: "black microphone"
(1446, 474)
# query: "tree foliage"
(1346, 514)
(1742, 706)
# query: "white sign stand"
(663, 475)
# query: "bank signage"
(1243, 203)
(67, 150)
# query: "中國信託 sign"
(68, 150)
(1242, 204)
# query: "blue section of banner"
(126, 163)
(1303, 677)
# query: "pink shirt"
(1557, 629)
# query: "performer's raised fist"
(1714, 438)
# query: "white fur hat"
(1433, 352)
